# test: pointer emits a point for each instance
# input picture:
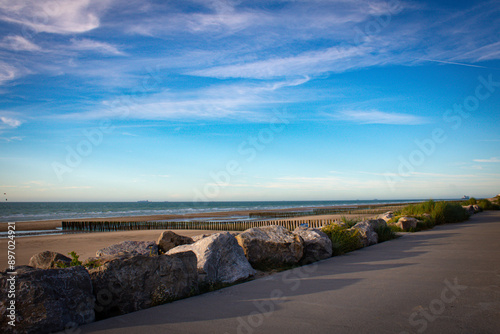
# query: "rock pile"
(135, 275)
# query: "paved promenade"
(446, 280)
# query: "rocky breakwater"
(56, 292)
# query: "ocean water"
(30, 211)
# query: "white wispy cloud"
(378, 117)
(251, 102)
(8, 72)
(54, 16)
(85, 44)
(11, 139)
(9, 120)
(18, 43)
(494, 159)
(308, 63)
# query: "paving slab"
(445, 280)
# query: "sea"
(37, 211)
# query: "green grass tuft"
(349, 222)
(433, 213)
(385, 233)
(487, 205)
(343, 240)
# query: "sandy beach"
(84, 244)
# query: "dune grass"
(343, 239)
(431, 213)
(385, 233)
(485, 204)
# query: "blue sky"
(249, 100)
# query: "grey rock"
(169, 240)
(367, 233)
(406, 223)
(376, 223)
(271, 247)
(477, 208)
(317, 245)
(47, 300)
(470, 209)
(199, 237)
(132, 247)
(220, 259)
(48, 260)
(129, 283)
(386, 216)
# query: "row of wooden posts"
(108, 226)
(365, 209)
(291, 214)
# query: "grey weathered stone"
(129, 283)
(197, 238)
(477, 208)
(271, 246)
(386, 216)
(132, 247)
(367, 233)
(169, 240)
(317, 245)
(48, 260)
(220, 259)
(376, 223)
(470, 209)
(406, 223)
(47, 300)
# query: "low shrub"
(349, 222)
(446, 213)
(74, 261)
(496, 200)
(343, 239)
(417, 210)
(395, 228)
(487, 205)
(385, 233)
(470, 201)
(440, 213)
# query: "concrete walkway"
(446, 280)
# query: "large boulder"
(317, 245)
(130, 247)
(477, 208)
(470, 209)
(46, 300)
(49, 260)
(129, 283)
(406, 223)
(386, 216)
(367, 233)
(220, 259)
(376, 223)
(197, 238)
(169, 240)
(271, 246)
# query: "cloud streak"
(490, 160)
(378, 117)
(53, 16)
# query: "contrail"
(452, 63)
